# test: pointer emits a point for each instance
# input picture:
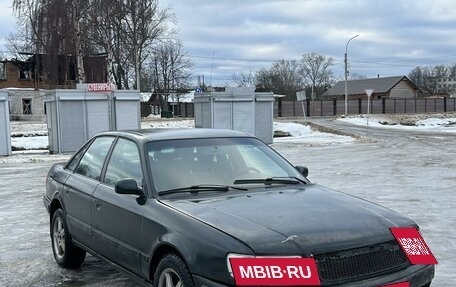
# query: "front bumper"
(416, 275)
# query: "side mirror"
(128, 186)
(302, 170)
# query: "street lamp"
(346, 74)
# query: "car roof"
(146, 135)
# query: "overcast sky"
(234, 36)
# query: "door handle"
(97, 205)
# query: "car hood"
(295, 220)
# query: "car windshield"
(176, 164)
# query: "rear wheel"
(172, 272)
(65, 253)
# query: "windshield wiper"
(201, 187)
(272, 180)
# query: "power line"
(395, 62)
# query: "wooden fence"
(359, 106)
(335, 107)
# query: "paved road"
(413, 173)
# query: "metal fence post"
(360, 111)
(308, 107)
(383, 105)
(321, 107)
(334, 106)
(444, 104)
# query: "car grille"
(362, 262)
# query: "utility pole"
(346, 74)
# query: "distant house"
(27, 104)
(399, 87)
(25, 80)
(50, 72)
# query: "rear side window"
(91, 163)
(124, 163)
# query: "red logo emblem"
(413, 245)
(271, 271)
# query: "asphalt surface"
(411, 172)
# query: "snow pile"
(30, 143)
(168, 123)
(436, 124)
(450, 122)
(304, 134)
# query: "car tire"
(65, 253)
(172, 271)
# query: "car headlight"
(234, 255)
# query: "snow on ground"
(30, 143)
(305, 135)
(408, 123)
(159, 123)
(27, 127)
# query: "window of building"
(27, 106)
(3, 71)
(24, 73)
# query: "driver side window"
(92, 162)
(124, 163)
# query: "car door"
(117, 218)
(80, 187)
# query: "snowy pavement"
(414, 175)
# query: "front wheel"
(65, 253)
(172, 272)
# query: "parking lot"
(412, 173)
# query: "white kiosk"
(74, 116)
(5, 136)
(240, 109)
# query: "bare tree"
(282, 78)
(315, 70)
(248, 79)
(425, 78)
(144, 23)
(171, 68)
(105, 32)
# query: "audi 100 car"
(172, 206)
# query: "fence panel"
(400, 106)
(439, 105)
(410, 106)
(327, 108)
(287, 109)
(298, 108)
(451, 105)
(376, 106)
